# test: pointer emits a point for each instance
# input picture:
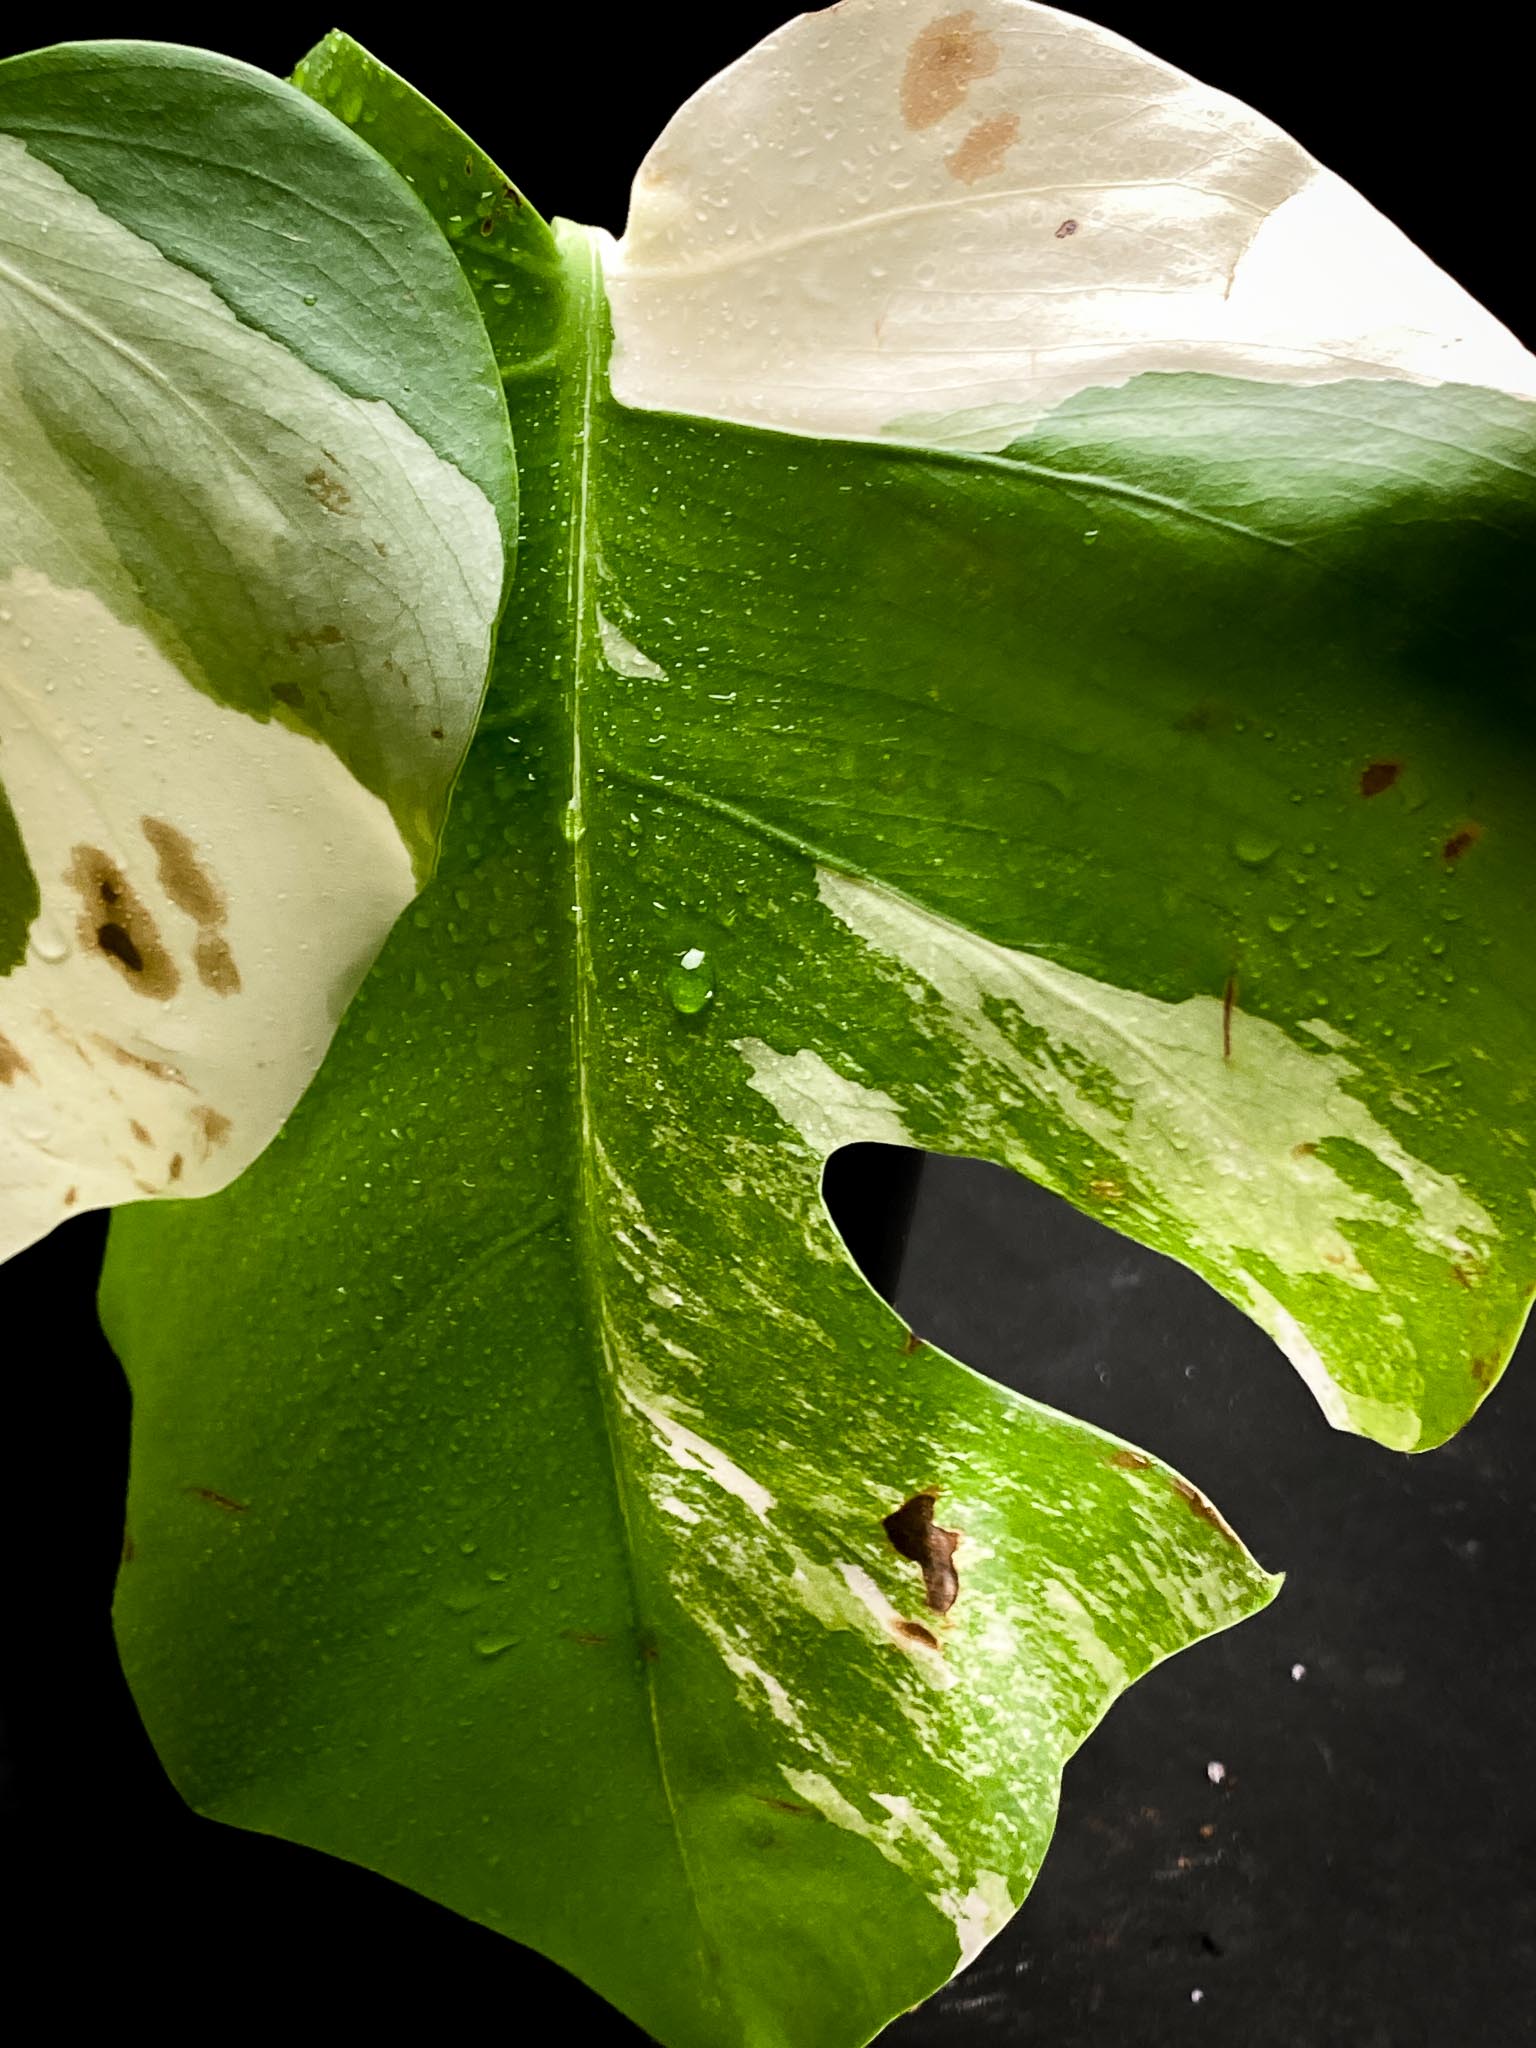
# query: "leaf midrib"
(580, 255)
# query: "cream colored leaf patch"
(939, 221)
(245, 620)
(213, 890)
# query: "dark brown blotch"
(1067, 229)
(114, 923)
(1379, 775)
(916, 1633)
(915, 1535)
(1461, 841)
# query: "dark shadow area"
(871, 1193)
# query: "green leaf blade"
(518, 1450)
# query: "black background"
(1365, 1873)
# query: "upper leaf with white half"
(894, 217)
(255, 511)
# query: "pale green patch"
(827, 1108)
(1221, 1123)
(299, 552)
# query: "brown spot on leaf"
(1228, 1005)
(197, 895)
(910, 1343)
(173, 1171)
(114, 923)
(139, 1132)
(128, 1552)
(1067, 229)
(1106, 1190)
(983, 150)
(1203, 1508)
(1461, 840)
(215, 964)
(218, 1500)
(437, 732)
(782, 1805)
(161, 1069)
(944, 60)
(916, 1633)
(212, 1126)
(1305, 1149)
(583, 1635)
(328, 490)
(1379, 775)
(12, 1063)
(71, 1195)
(1485, 1370)
(915, 1535)
(1128, 1460)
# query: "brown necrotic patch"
(114, 923)
(983, 150)
(1207, 1512)
(197, 895)
(915, 1535)
(326, 489)
(1067, 229)
(125, 1056)
(182, 876)
(1461, 842)
(1379, 775)
(211, 1125)
(942, 64)
(916, 1633)
(12, 1063)
(218, 1500)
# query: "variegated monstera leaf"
(1016, 649)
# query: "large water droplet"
(1253, 849)
(691, 982)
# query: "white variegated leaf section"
(213, 884)
(1225, 1140)
(939, 221)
